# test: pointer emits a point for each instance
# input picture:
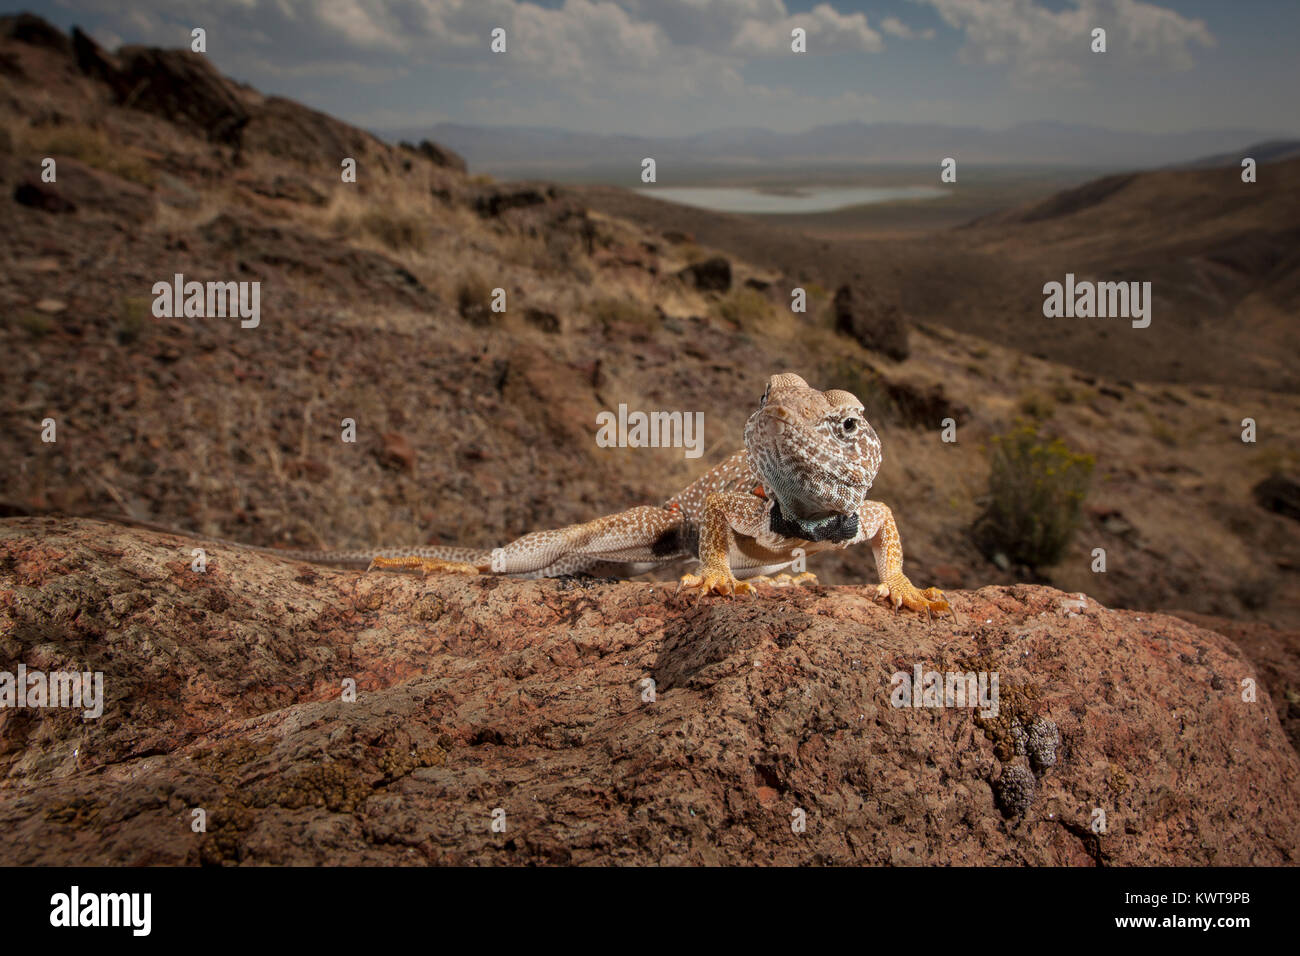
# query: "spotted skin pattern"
(799, 487)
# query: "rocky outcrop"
(709, 275)
(1279, 493)
(181, 87)
(438, 155)
(877, 325)
(492, 201)
(531, 703)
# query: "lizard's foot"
(715, 581)
(900, 592)
(784, 580)
(423, 565)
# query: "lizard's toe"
(900, 592)
(715, 581)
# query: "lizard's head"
(815, 451)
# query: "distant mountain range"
(528, 150)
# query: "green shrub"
(1036, 405)
(1036, 490)
(745, 307)
(610, 311)
(132, 318)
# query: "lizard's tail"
(359, 558)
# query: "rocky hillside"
(528, 702)
(475, 426)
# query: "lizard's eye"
(850, 425)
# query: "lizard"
(799, 486)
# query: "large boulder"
(709, 275)
(610, 722)
(876, 324)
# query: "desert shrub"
(474, 298)
(1036, 405)
(1161, 431)
(132, 317)
(610, 311)
(92, 147)
(745, 307)
(1036, 490)
(36, 324)
(395, 229)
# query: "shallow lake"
(813, 199)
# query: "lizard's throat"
(833, 526)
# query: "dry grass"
(92, 147)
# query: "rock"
(44, 196)
(293, 189)
(877, 325)
(924, 406)
(441, 156)
(93, 191)
(34, 31)
(178, 85)
(222, 690)
(709, 275)
(546, 321)
(1279, 493)
(292, 131)
(51, 306)
(494, 200)
(396, 452)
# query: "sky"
(677, 67)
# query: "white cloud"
(1041, 44)
(896, 28)
(828, 32)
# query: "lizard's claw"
(715, 581)
(900, 592)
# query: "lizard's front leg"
(725, 513)
(879, 528)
